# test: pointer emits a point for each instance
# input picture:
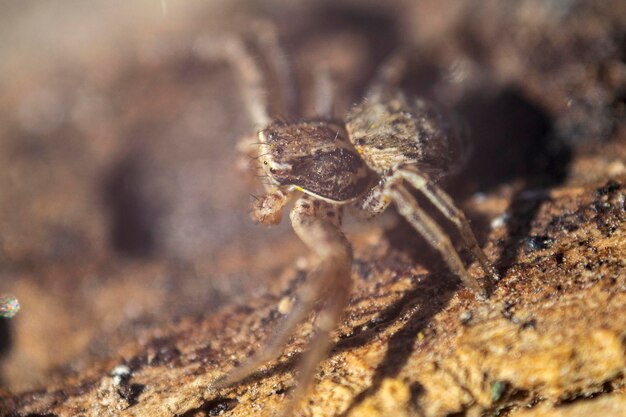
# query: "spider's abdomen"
(317, 157)
(392, 130)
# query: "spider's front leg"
(317, 224)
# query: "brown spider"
(386, 143)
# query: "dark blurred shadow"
(512, 139)
(513, 142)
(377, 26)
(421, 305)
(132, 216)
(6, 340)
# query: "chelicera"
(384, 146)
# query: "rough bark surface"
(125, 232)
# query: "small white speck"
(465, 316)
(121, 370)
(120, 373)
(479, 197)
(301, 263)
(285, 305)
(500, 220)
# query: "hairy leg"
(389, 74)
(317, 225)
(374, 203)
(434, 235)
(324, 91)
(266, 36)
(444, 203)
(337, 300)
(304, 306)
(252, 82)
(390, 189)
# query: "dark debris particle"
(568, 222)
(166, 355)
(538, 242)
(163, 351)
(213, 407)
(609, 188)
(137, 362)
(36, 415)
(508, 311)
(270, 318)
(363, 269)
(130, 392)
(559, 258)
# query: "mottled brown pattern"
(393, 130)
(549, 342)
(407, 142)
(317, 157)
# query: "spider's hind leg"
(391, 189)
(252, 81)
(265, 34)
(389, 74)
(324, 91)
(303, 308)
(443, 202)
(434, 235)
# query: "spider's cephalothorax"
(388, 142)
(315, 156)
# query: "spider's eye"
(360, 142)
(264, 162)
(272, 170)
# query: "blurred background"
(121, 205)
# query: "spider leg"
(440, 199)
(266, 36)
(252, 82)
(389, 74)
(318, 226)
(374, 203)
(320, 231)
(303, 308)
(324, 88)
(326, 322)
(247, 149)
(434, 235)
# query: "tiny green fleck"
(497, 389)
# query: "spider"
(384, 145)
